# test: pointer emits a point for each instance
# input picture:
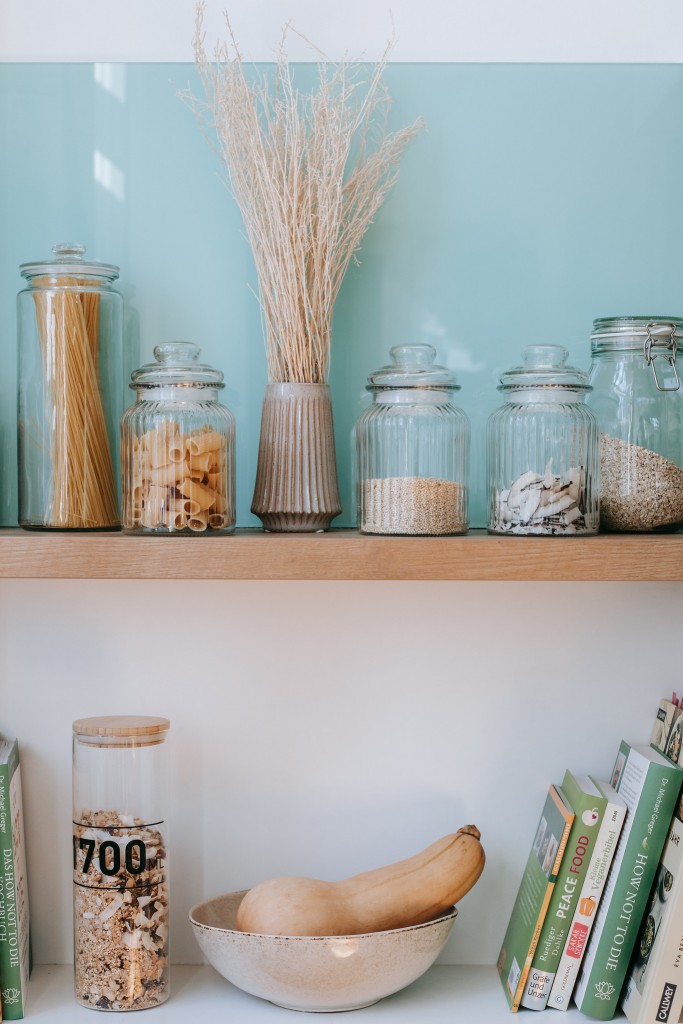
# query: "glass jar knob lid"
(69, 259)
(177, 365)
(545, 366)
(413, 366)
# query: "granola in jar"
(121, 925)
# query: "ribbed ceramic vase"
(296, 486)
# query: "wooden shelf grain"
(339, 555)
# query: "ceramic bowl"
(316, 973)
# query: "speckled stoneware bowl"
(323, 974)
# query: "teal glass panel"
(537, 198)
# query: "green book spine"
(589, 898)
(588, 804)
(533, 897)
(14, 915)
(650, 784)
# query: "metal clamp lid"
(657, 336)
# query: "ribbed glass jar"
(412, 447)
(638, 399)
(178, 448)
(120, 862)
(70, 392)
(542, 450)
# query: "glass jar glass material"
(542, 450)
(70, 392)
(120, 862)
(178, 448)
(412, 449)
(638, 399)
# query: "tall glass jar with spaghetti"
(70, 394)
(120, 862)
(178, 448)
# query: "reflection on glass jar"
(639, 404)
(542, 450)
(178, 448)
(412, 449)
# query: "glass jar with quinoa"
(412, 449)
(638, 399)
(542, 450)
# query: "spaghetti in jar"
(70, 392)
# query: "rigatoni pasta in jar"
(178, 448)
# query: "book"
(650, 784)
(536, 887)
(15, 939)
(589, 898)
(588, 805)
(667, 732)
(654, 986)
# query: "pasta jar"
(542, 450)
(70, 392)
(120, 862)
(178, 448)
(412, 449)
(638, 400)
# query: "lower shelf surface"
(440, 996)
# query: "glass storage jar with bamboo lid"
(70, 392)
(542, 450)
(120, 862)
(178, 448)
(412, 449)
(638, 399)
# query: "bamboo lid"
(130, 729)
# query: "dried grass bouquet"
(308, 172)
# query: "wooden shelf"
(440, 996)
(339, 555)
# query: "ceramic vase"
(296, 487)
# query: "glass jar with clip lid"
(638, 399)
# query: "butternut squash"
(406, 893)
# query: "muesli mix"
(120, 912)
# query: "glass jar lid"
(177, 365)
(613, 333)
(69, 261)
(413, 366)
(544, 367)
(121, 730)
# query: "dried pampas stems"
(308, 172)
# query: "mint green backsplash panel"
(537, 198)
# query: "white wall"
(439, 30)
(326, 728)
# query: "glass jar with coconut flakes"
(178, 448)
(120, 862)
(542, 450)
(638, 399)
(412, 449)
